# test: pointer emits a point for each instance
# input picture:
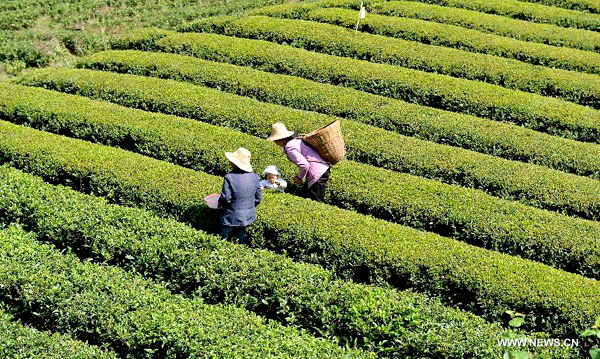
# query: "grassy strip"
(20, 342)
(355, 246)
(491, 24)
(333, 40)
(526, 11)
(135, 316)
(490, 137)
(454, 37)
(392, 323)
(545, 114)
(537, 186)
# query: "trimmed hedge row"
(492, 24)
(394, 324)
(333, 40)
(143, 39)
(527, 11)
(495, 138)
(356, 247)
(579, 5)
(451, 36)
(557, 240)
(134, 316)
(537, 186)
(545, 114)
(22, 342)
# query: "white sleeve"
(282, 184)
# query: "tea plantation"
(463, 223)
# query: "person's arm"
(258, 195)
(225, 198)
(299, 160)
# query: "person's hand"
(297, 180)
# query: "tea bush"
(20, 342)
(527, 11)
(492, 24)
(534, 185)
(137, 317)
(529, 110)
(389, 322)
(354, 246)
(329, 39)
(453, 37)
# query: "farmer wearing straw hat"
(313, 171)
(239, 196)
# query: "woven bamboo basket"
(328, 141)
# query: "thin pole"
(358, 20)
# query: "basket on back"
(328, 141)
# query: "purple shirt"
(310, 165)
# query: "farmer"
(313, 171)
(239, 196)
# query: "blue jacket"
(239, 197)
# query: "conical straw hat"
(240, 158)
(279, 132)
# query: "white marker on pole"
(361, 15)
